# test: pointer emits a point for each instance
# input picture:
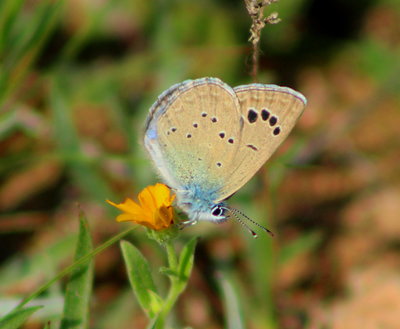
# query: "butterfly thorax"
(199, 204)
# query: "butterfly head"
(198, 211)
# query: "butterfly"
(207, 140)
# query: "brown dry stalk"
(255, 9)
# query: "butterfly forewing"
(269, 113)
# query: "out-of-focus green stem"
(176, 288)
(71, 267)
(172, 256)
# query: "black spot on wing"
(252, 116)
(252, 147)
(277, 131)
(273, 121)
(264, 114)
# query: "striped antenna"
(254, 234)
(235, 212)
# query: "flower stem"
(172, 256)
(176, 288)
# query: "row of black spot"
(213, 119)
(221, 134)
(276, 131)
(195, 124)
(219, 164)
(252, 117)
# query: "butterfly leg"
(186, 223)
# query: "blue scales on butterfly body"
(207, 139)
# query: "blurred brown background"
(78, 77)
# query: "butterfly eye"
(217, 211)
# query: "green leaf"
(186, 260)
(156, 302)
(17, 318)
(79, 287)
(140, 277)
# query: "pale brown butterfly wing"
(188, 134)
(268, 113)
(207, 139)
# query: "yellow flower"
(154, 209)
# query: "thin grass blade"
(17, 318)
(79, 287)
(231, 301)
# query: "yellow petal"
(166, 215)
(129, 206)
(162, 195)
(125, 218)
(154, 211)
(146, 199)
